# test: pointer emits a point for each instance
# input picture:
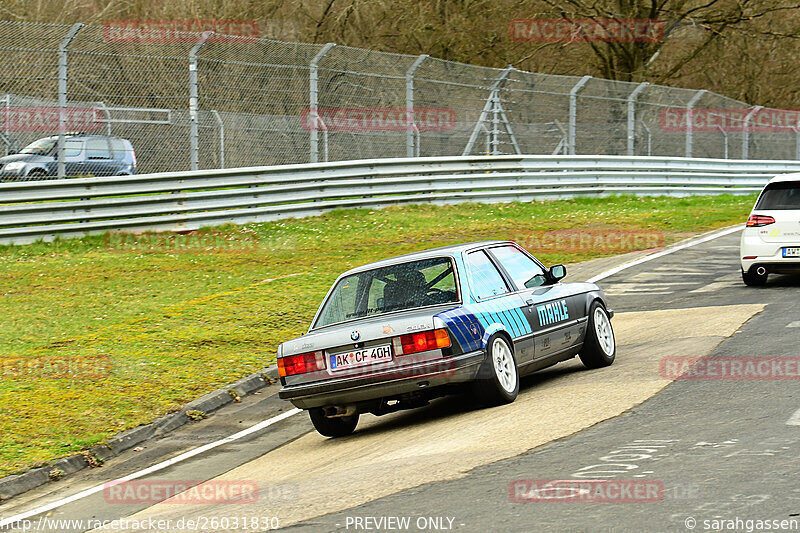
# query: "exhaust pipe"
(761, 271)
(338, 411)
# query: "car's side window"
(119, 148)
(97, 149)
(523, 270)
(486, 279)
(73, 148)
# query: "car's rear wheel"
(340, 426)
(498, 380)
(755, 277)
(600, 347)
(37, 174)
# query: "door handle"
(529, 301)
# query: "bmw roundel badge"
(355, 335)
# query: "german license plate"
(791, 252)
(361, 357)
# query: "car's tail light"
(300, 364)
(756, 221)
(421, 342)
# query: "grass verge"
(158, 320)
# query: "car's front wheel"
(340, 426)
(599, 348)
(498, 380)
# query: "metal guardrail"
(176, 201)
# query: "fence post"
(649, 137)
(193, 104)
(632, 116)
(573, 113)
(313, 97)
(746, 131)
(410, 104)
(690, 120)
(62, 94)
(796, 143)
(221, 126)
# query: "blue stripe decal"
(482, 319)
(455, 320)
(505, 319)
(460, 323)
(526, 328)
(490, 317)
(512, 320)
(512, 325)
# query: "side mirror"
(558, 272)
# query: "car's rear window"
(780, 196)
(391, 288)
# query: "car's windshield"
(40, 147)
(392, 288)
(780, 196)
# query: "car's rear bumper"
(767, 254)
(386, 384)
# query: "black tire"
(37, 174)
(753, 279)
(498, 377)
(600, 346)
(332, 427)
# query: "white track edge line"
(149, 470)
(662, 253)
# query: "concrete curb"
(58, 468)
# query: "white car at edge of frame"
(770, 241)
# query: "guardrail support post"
(313, 99)
(410, 130)
(690, 120)
(573, 113)
(193, 104)
(746, 131)
(62, 94)
(632, 116)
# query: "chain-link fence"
(208, 101)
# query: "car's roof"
(786, 177)
(424, 254)
(81, 136)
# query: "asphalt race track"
(715, 449)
